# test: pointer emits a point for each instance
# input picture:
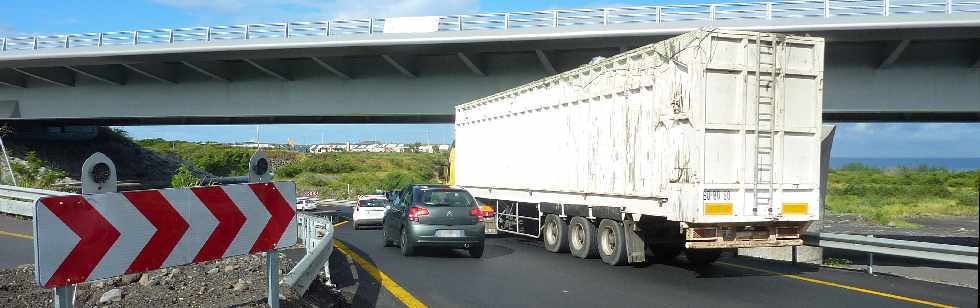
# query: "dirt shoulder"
(231, 282)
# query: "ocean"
(954, 164)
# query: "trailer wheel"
(612, 242)
(702, 256)
(582, 238)
(555, 234)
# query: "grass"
(894, 196)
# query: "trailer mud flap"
(635, 247)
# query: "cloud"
(267, 10)
(929, 140)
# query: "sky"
(27, 17)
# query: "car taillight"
(477, 213)
(487, 210)
(416, 212)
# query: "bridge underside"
(929, 74)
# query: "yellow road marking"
(17, 235)
(339, 223)
(837, 285)
(388, 283)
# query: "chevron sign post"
(80, 238)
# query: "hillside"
(134, 163)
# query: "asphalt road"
(518, 272)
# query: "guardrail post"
(67, 40)
(886, 8)
(35, 43)
(871, 260)
(208, 37)
(459, 20)
(4, 46)
(555, 17)
(605, 17)
(171, 36)
(100, 38)
(769, 11)
(506, 20)
(326, 30)
(826, 8)
(136, 37)
(272, 266)
(659, 14)
(371, 26)
(285, 30)
(247, 28)
(949, 7)
(712, 12)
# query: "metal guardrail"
(20, 200)
(902, 248)
(317, 235)
(773, 10)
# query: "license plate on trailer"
(449, 233)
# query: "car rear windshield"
(446, 197)
(371, 203)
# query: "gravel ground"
(231, 282)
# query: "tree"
(183, 178)
(397, 180)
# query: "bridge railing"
(787, 9)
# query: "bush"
(288, 171)
(34, 173)
(183, 178)
(398, 180)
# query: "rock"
(111, 296)
(229, 268)
(126, 280)
(240, 285)
(213, 271)
(146, 280)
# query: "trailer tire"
(611, 242)
(582, 238)
(702, 256)
(555, 234)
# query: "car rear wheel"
(702, 256)
(407, 248)
(612, 242)
(582, 238)
(555, 234)
(387, 239)
(476, 251)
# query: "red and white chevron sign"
(80, 238)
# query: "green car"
(434, 216)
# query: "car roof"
(369, 197)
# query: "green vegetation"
(892, 196)
(837, 262)
(331, 173)
(183, 178)
(216, 159)
(33, 172)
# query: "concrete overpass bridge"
(887, 60)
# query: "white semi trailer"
(703, 142)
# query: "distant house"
(375, 147)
